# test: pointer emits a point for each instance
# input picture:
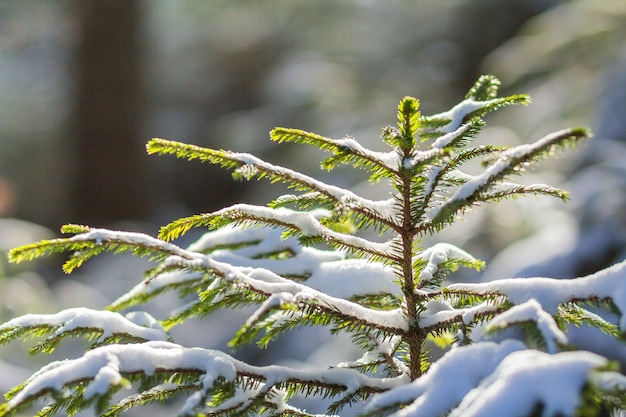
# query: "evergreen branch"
(414, 164)
(457, 138)
(184, 282)
(283, 312)
(160, 393)
(511, 161)
(439, 315)
(259, 168)
(266, 283)
(304, 202)
(466, 110)
(380, 350)
(221, 294)
(432, 264)
(572, 313)
(260, 281)
(448, 175)
(101, 370)
(539, 321)
(506, 190)
(304, 224)
(346, 151)
(552, 293)
(95, 241)
(107, 327)
(378, 301)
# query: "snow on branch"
(440, 255)
(531, 311)
(528, 379)
(258, 280)
(498, 377)
(439, 314)
(136, 326)
(92, 242)
(509, 162)
(304, 223)
(346, 150)
(267, 282)
(108, 367)
(447, 382)
(250, 166)
(608, 284)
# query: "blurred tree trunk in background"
(109, 177)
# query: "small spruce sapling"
(301, 261)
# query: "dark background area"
(87, 83)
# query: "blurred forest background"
(85, 84)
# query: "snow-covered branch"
(108, 367)
(608, 284)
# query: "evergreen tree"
(303, 260)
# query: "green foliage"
(408, 309)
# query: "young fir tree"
(300, 261)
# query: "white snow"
(447, 381)
(474, 183)
(445, 140)
(106, 365)
(438, 312)
(138, 324)
(458, 113)
(350, 277)
(268, 282)
(131, 238)
(340, 194)
(390, 160)
(438, 254)
(106, 377)
(527, 378)
(305, 221)
(419, 157)
(531, 311)
(549, 293)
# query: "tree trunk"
(110, 178)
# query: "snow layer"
(457, 113)
(339, 194)
(306, 222)
(447, 381)
(476, 182)
(529, 378)
(390, 160)
(438, 312)
(494, 380)
(327, 271)
(531, 311)
(106, 365)
(260, 280)
(138, 324)
(445, 140)
(438, 254)
(609, 283)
